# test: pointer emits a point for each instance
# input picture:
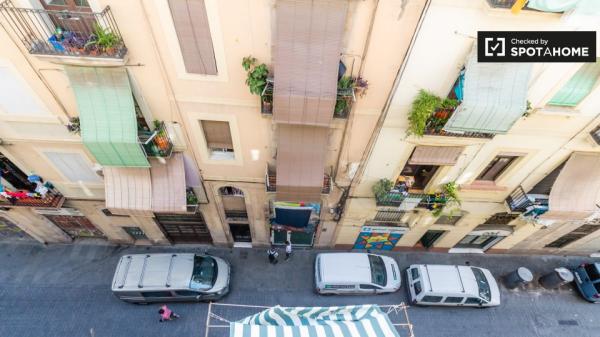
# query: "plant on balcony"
(345, 85)
(102, 40)
(74, 126)
(448, 199)
(429, 110)
(382, 188)
(190, 197)
(256, 79)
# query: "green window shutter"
(578, 87)
(107, 115)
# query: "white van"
(452, 286)
(145, 278)
(356, 273)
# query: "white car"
(451, 285)
(356, 273)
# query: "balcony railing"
(156, 143)
(596, 135)
(436, 122)
(53, 199)
(390, 214)
(345, 98)
(271, 182)
(65, 33)
(191, 200)
(397, 199)
(530, 205)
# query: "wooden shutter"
(191, 24)
(217, 135)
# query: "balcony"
(409, 201)
(389, 215)
(53, 199)
(346, 96)
(530, 205)
(271, 182)
(435, 126)
(67, 37)
(156, 143)
(191, 200)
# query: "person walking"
(272, 252)
(288, 250)
(166, 314)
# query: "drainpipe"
(382, 117)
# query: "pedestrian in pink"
(166, 314)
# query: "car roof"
(153, 271)
(449, 279)
(343, 268)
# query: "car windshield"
(204, 274)
(482, 284)
(378, 274)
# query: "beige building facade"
(526, 182)
(137, 118)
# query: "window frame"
(454, 299)
(494, 163)
(424, 299)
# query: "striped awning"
(495, 97)
(169, 185)
(351, 321)
(575, 194)
(578, 87)
(128, 191)
(107, 115)
(435, 155)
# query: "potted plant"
(256, 80)
(448, 200)
(74, 125)
(103, 40)
(382, 188)
(429, 112)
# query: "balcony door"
(67, 5)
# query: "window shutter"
(191, 24)
(73, 166)
(217, 134)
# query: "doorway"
(184, 228)
(419, 174)
(236, 215)
(430, 237)
(13, 175)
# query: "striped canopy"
(349, 321)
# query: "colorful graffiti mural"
(377, 237)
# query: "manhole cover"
(243, 254)
(567, 322)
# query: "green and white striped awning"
(578, 86)
(495, 97)
(107, 115)
(349, 321)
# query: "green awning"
(107, 115)
(578, 87)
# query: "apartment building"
(131, 121)
(476, 157)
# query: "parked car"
(145, 278)
(587, 279)
(356, 273)
(451, 285)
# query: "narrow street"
(65, 291)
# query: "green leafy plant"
(345, 85)
(74, 125)
(256, 75)
(382, 188)
(451, 200)
(191, 197)
(423, 107)
(104, 39)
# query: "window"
(418, 288)
(62, 5)
(450, 299)
(339, 286)
(136, 233)
(432, 299)
(193, 32)
(16, 97)
(473, 300)
(482, 283)
(578, 233)
(495, 168)
(592, 271)
(378, 272)
(185, 293)
(218, 139)
(419, 175)
(73, 166)
(204, 274)
(414, 273)
(448, 220)
(368, 286)
(156, 293)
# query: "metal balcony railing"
(436, 122)
(53, 199)
(389, 215)
(156, 143)
(271, 182)
(518, 201)
(396, 199)
(64, 33)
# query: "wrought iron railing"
(518, 201)
(65, 33)
(343, 104)
(271, 182)
(156, 143)
(52, 199)
(396, 199)
(389, 215)
(438, 120)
